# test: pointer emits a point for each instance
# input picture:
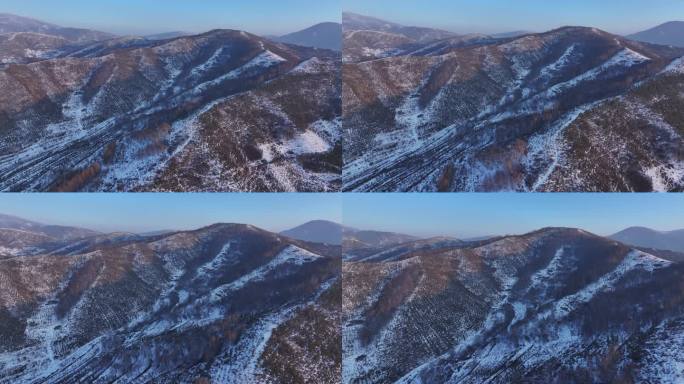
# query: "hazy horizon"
(500, 16)
(424, 215)
(494, 214)
(142, 212)
(146, 17)
(293, 225)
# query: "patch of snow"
(409, 117)
(633, 260)
(306, 142)
(519, 311)
(290, 255)
(676, 66)
(669, 174)
(34, 53)
(626, 58)
(183, 296)
(331, 130)
(665, 177)
(555, 266)
(546, 149)
(548, 71)
(664, 358)
(9, 251)
(312, 65)
(380, 52)
(219, 261)
(242, 362)
(211, 62)
(263, 60)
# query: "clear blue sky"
(153, 16)
(492, 16)
(470, 215)
(143, 212)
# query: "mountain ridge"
(102, 312)
(532, 100)
(137, 114)
(10, 23)
(525, 307)
(554, 297)
(59, 232)
(354, 21)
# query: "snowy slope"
(549, 306)
(516, 114)
(211, 112)
(106, 314)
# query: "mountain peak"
(670, 33)
(676, 23)
(326, 35)
(638, 228)
(168, 35)
(317, 231)
(231, 227)
(579, 29)
(568, 232)
(651, 238)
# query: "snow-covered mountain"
(553, 306)
(355, 22)
(234, 303)
(56, 232)
(221, 111)
(10, 23)
(367, 38)
(322, 35)
(650, 238)
(670, 33)
(573, 109)
(227, 303)
(24, 40)
(364, 239)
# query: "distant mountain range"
(506, 35)
(368, 38)
(168, 35)
(649, 238)
(25, 40)
(359, 238)
(322, 231)
(670, 33)
(51, 232)
(227, 303)
(17, 24)
(572, 109)
(356, 22)
(220, 111)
